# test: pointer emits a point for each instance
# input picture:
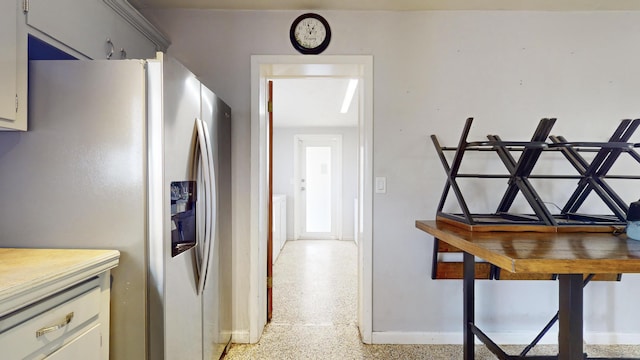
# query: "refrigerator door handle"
(211, 204)
(202, 245)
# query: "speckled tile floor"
(314, 315)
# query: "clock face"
(310, 34)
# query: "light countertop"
(27, 275)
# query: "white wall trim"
(600, 338)
(365, 242)
(515, 338)
(257, 276)
(455, 338)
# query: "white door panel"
(319, 186)
(316, 189)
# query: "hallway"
(314, 314)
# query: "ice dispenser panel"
(183, 216)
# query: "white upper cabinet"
(130, 43)
(83, 26)
(90, 27)
(83, 29)
(8, 62)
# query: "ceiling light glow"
(348, 96)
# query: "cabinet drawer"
(82, 347)
(41, 329)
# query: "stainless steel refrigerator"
(117, 157)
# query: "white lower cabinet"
(82, 347)
(84, 29)
(279, 224)
(55, 303)
(66, 325)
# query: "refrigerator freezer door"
(182, 304)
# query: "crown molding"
(133, 16)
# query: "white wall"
(283, 170)
(431, 71)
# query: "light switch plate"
(381, 185)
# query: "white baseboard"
(240, 337)
(407, 338)
(598, 338)
(455, 338)
(344, 238)
(392, 337)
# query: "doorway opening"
(263, 69)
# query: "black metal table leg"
(468, 300)
(570, 335)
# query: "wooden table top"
(535, 252)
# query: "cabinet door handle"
(111, 49)
(48, 329)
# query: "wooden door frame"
(262, 67)
(270, 203)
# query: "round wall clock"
(310, 33)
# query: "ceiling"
(311, 95)
(399, 5)
(312, 102)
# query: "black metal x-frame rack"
(591, 177)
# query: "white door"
(319, 186)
